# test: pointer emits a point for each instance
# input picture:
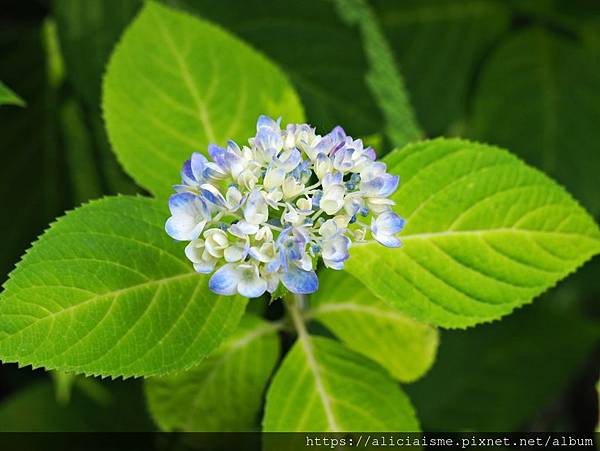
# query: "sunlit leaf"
(198, 85)
(323, 386)
(106, 292)
(405, 347)
(485, 234)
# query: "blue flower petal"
(225, 280)
(252, 288)
(390, 183)
(216, 153)
(299, 281)
(183, 228)
(198, 166)
(204, 267)
(388, 240)
(187, 175)
(265, 122)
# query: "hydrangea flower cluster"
(265, 213)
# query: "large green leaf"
(8, 97)
(223, 393)
(106, 292)
(323, 386)
(548, 113)
(198, 85)
(367, 325)
(439, 44)
(501, 376)
(485, 234)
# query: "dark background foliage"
(522, 74)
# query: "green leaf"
(106, 292)
(323, 386)
(548, 112)
(367, 325)
(439, 45)
(501, 376)
(198, 85)
(485, 234)
(383, 77)
(223, 393)
(8, 97)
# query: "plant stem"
(295, 305)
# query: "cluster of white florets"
(265, 213)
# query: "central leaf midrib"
(314, 366)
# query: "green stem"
(295, 304)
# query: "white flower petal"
(257, 210)
(251, 285)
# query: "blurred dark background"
(522, 74)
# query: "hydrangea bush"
(265, 213)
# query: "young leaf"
(106, 292)
(485, 234)
(224, 392)
(383, 78)
(548, 113)
(8, 97)
(323, 386)
(198, 85)
(367, 325)
(439, 44)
